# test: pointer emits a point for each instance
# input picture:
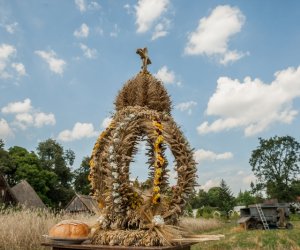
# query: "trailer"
(265, 216)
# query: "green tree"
(226, 198)
(55, 159)
(28, 168)
(245, 198)
(81, 183)
(213, 196)
(275, 163)
(7, 168)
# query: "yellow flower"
(158, 171)
(158, 125)
(156, 181)
(159, 139)
(160, 159)
(156, 189)
(156, 199)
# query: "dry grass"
(198, 225)
(23, 229)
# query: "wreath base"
(135, 238)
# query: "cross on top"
(143, 52)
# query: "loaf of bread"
(72, 229)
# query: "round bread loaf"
(72, 229)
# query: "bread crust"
(70, 229)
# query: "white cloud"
(41, 119)
(11, 28)
(165, 75)
(23, 120)
(106, 122)
(56, 65)
(149, 11)
(186, 106)
(9, 68)
(88, 52)
(17, 107)
(79, 131)
(26, 115)
(19, 68)
(201, 155)
(210, 184)
(82, 32)
(232, 56)
(81, 5)
(5, 130)
(252, 104)
(213, 33)
(161, 29)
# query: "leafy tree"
(214, 196)
(6, 166)
(54, 159)
(28, 168)
(275, 163)
(81, 182)
(245, 198)
(226, 199)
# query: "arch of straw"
(142, 113)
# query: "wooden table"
(56, 246)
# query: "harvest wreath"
(131, 216)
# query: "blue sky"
(231, 68)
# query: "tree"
(214, 197)
(245, 198)
(275, 163)
(81, 182)
(7, 168)
(226, 198)
(28, 168)
(55, 159)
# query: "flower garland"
(116, 197)
(159, 162)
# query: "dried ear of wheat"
(129, 216)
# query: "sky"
(232, 69)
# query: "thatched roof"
(6, 196)
(82, 203)
(25, 195)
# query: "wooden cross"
(145, 58)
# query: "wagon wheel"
(122, 205)
(259, 226)
(251, 225)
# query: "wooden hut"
(6, 196)
(82, 203)
(26, 196)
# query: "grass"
(199, 224)
(237, 238)
(23, 229)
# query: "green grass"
(237, 238)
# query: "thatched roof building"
(6, 196)
(82, 203)
(26, 196)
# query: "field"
(23, 230)
(238, 238)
